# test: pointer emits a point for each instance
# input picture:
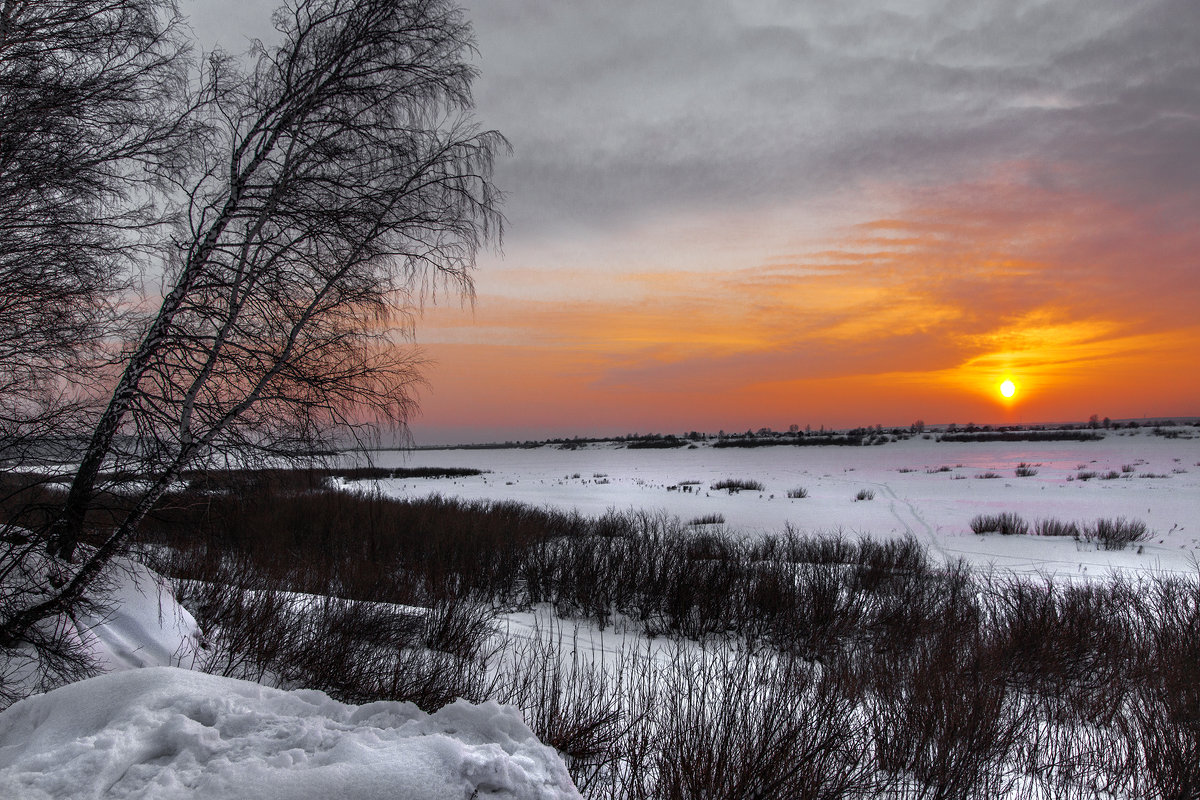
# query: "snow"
(165, 732)
(143, 626)
(934, 506)
(148, 728)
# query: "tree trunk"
(67, 528)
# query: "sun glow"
(1008, 388)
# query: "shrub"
(1115, 534)
(734, 485)
(709, 519)
(822, 667)
(1085, 474)
(1022, 436)
(377, 473)
(865, 494)
(1111, 475)
(1055, 527)
(988, 475)
(799, 493)
(1025, 470)
(1006, 524)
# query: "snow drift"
(165, 732)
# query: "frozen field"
(1159, 484)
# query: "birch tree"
(92, 123)
(341, 177)
(89, 124)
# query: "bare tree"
(342, 178)
(89, 127)
(88, 123)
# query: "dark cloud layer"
(632, 108)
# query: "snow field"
(912, 493)
(161, 732)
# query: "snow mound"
(143, 627)
(135, 623)
(164, 732)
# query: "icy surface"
(164, 732)
(1162, 489)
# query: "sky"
(730, 214)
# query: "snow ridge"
(165, 732)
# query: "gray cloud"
(622, 110)
(626, 109)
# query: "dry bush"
(733, 725)
(807, 666)
(1005, 523)
(1055, 527)
(734, 485)
(1116, 533)
(942, 715)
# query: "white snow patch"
(144, 626)
(165, 732)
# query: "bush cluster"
(1005, 523)
(1111, 534)
(734, 485)
(782, 665)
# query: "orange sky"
(1087, 305)
(725, 214)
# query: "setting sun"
(1008, 388)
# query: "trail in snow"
(925, 533)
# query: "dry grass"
(734, 485)
(783, 666)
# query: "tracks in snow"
(911, 520)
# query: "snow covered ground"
(163, 731)
(911, 495)
(149, 728)
(166, 732)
